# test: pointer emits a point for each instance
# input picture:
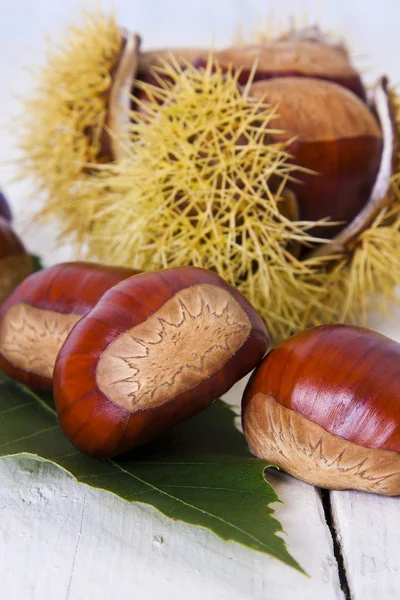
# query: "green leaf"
(201, 473)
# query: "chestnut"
(157, 58)
(292, 58)
(38, 315)
(334, 135)
(324, 406)
(156, 349)
(5, 210)
(15, 263)
(272, 59)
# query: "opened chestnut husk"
(271, 163)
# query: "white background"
(59, 540)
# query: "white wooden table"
(61, 540)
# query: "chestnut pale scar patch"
(30, 338)
(307, 451)
(13, 269)
(186, 341)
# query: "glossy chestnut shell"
(155, 350)
(292, 58)
(261, 61)
(334, 135)
(37, 317)
(325, 406)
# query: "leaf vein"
(179, 500)
(38, 399)
(13, 408)
(26, 437)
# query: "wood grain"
(369, 537)
(65, 541)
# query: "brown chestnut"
(334, 135)
(156, 349)
(157, 58)
(325, 406)
(263, 61)
(15, 263)
(292, 58)
(39, 314)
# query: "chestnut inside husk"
(333, 153)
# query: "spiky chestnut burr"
(155, 350)
(324, 406)
(218, 202)
(83, 94)
(104, 108)
(289, 293)
(39, 314)
(15, 263)
(332, 283)
(151, 59)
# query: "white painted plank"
(368, 528)
(62, 540)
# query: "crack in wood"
(78, 541)
(337, 549)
